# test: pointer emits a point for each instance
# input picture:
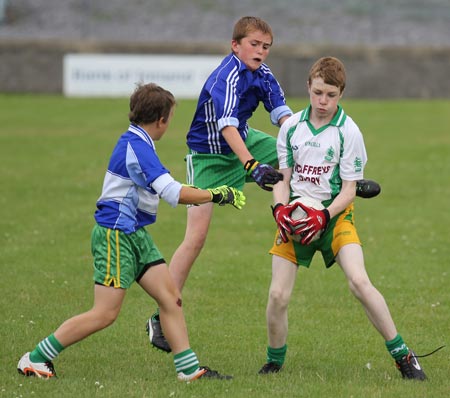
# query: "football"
(299, 213)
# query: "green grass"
(54, 152)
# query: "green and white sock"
(186, 362)
(276, 355)
(397, 347)
(47, 350)
(155, 316)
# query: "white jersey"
(321, 159)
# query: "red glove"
(314, 222)
(282, 215)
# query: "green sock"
(276, 355)
(46, 350)
(156, 315)
(186, 362)
(397, 347)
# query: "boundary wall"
(36, 66)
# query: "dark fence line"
(36, 66)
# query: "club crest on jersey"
(330, 154)
(357, 163)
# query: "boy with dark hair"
(123, 250)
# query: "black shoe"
(410, 368)
(214, 374)
(367, 189)
(156, 334)
(270, 367)
(203, 371)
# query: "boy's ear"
(160, 121)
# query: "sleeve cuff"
(167, 188)
(278, 113)
(227, 121)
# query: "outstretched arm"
(175, 193)
(221, 195)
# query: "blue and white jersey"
(133, 183)
(229, 97)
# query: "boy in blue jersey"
(223, 149)
(220, 141)
(123, 250)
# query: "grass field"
(54, 152)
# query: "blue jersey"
(229, 97)
(132, 184)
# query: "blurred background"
(396, 48)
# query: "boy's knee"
(107, 318)
(359, 286)
(278, 298)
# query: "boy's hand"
(227, 195)
(263, 174)
(282, 215)
(314, 222)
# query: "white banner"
(116, 75)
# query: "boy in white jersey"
(321, 155)
(123, 250)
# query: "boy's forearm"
(190, 195)
(344, 198)
(234, 140)
(281, 190)
(283, 119)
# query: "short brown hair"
(331, 70)
(246, 25)
(150, 103)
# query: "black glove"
(263, 174)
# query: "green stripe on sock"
(46, 350)
(186, 362)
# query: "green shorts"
(210, 170)
(340, 232)
(121, 259)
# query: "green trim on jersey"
(339, 118)
(337, 121)
(290, 133)
(341, 139)
(336, 180)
